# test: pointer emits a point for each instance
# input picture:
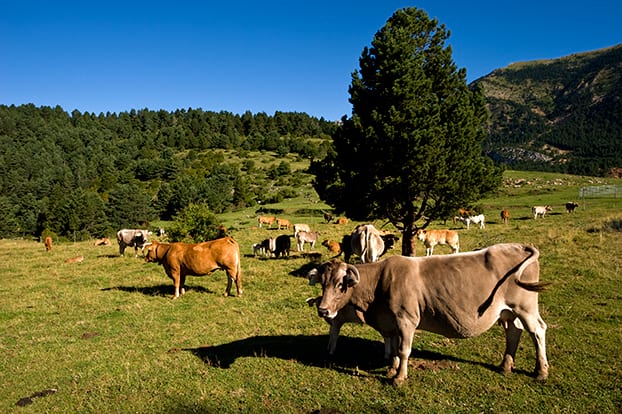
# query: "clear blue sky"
(261, 56)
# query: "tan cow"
(102, 242)
(431, 238)
(48, 243)
(283, 224)
(457, 296)
(309, 237)
(342, 220)
(505, 216)
(332, 246)
(348, 314)
(77, 259)
(183, 259)
(265, 220)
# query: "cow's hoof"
(542, 376)
(398, 381)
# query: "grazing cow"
(505, 216)
(283, 224)
(265, 220)
(199, 259)
(571, 206)
(269, 246)
(328, 217)
(458, 296)
(103, 242)
(303, 237)
(48, 243)
(367, 243)
(258, 249)
(131, 238)
(479, 219)
(301, 227)
(342, 220)
(282, 245)
(431, 238)
(348, 314)
(332, 246)
(539, 211)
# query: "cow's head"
(337, 279)
(150, 251)
(420, 234)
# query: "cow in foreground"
(200, 259)
(540, 211)
(571, 206)
(431, 238)
(458, 296)
(131, 238)
(348, 314)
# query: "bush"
(195, 223)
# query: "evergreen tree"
(412, 150)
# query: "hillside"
(559, 115)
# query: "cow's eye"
(339, 285)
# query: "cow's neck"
(363, 294)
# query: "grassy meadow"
(104, 336)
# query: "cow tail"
(530, 286)
(366, 248)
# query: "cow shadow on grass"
(353, 355)
(166, 290)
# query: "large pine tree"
(412, 150)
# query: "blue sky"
(113, 56)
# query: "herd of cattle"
(457, 295)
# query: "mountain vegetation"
(82, 175)
(560, 115)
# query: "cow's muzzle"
(323, 312)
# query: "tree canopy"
(412, 150)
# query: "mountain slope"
(561, 114)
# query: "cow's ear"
(312, 276)
(352, 277)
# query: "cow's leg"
(512, 338)
(405, 347)
(121, 249)
(174, 275)
(387, 347)
(536, 327)
(182, 284)
(333, 334)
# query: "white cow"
(539, 211)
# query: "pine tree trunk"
(409, 241)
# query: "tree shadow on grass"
(352, 355)
(165, 290)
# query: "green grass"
(107, 336)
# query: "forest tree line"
(82, 175)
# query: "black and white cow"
(132, 238)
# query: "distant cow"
(342, 220)
(303, 237)
(77, 259)
(458, 296)
(265, 220)
(479, 219)
(301, 227)
(131, 238)
(258, 249)
(431, 238)
(505, 216)
(48, 243)
(332, 246)
(367, 243)
(282, 245)
(283, 224)
(268, 246)
(328, 217)
(186, 259)
(540, 211)
(103, 242)
(571, 206)
(389, 241)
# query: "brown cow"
(102, 242)
(342, 220)
(283, 224)
(505, 216)
(265, 220)
(431, 238)
(182, 259)
(458, 296)
(48, 243)
(332, 246)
